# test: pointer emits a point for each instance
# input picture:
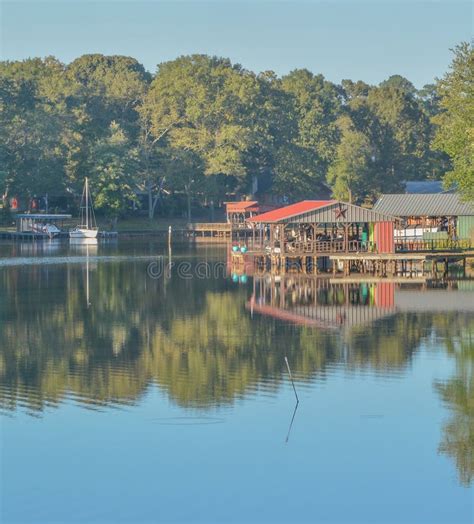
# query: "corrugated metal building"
(333, 214)
(428, 204)
(445, 210)
(323, 212)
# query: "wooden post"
(346, 238)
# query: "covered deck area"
(237, 213)
(322, 228)
(41, 225)
(430, 222)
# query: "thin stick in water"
(291, 423)
(291, 378)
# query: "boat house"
(324, 227)
(40, 224)
(237, 213)
(429, 217)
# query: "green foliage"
(5, 215)
(455, 134)
(316, 108)
(204, 126)
(114, 170)
(350, 173)
(400, 83)
(200, 104)
(32, 127)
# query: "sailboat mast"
(87, 204)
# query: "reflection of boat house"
(433, 220)
(437, 300)
(317, 303)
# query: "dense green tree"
(198, 103)
(106, 89)
(409, 129)
(455, 122)
(114, 170)
(353, 90)
(102, 90)
(350, 173)
(396, 123)
(317, 106)
(206, 126)
(33, 127)
(184, 172)
(401, 83)
(232, 119)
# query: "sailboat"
(88, 227)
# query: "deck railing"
(409, 245)
(209, 226)
(327, 246)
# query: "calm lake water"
(132, 392)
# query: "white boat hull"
(49, 230)
(83, 233)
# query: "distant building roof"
(424, 186)
(243, 205)
(433, 204)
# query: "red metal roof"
(292, 210)
(241, 206)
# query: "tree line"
(205, 126)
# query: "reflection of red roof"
(328, 317)
(244, 205)
(281, 314)
(305, 206)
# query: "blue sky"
(355, 39)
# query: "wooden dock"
(220, 232)
(372, 265)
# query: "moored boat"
(88, 227)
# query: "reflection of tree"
(389, 344)
(192, 337)
(458, 394)
(196, 340)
